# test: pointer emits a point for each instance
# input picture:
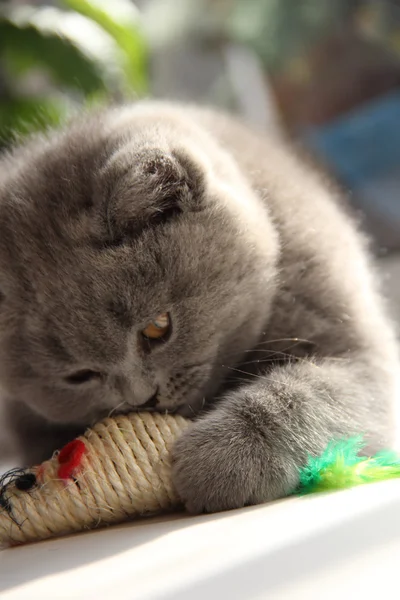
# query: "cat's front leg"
(249, 449)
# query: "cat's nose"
(138, 391)
(151, 402)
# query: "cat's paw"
(223, 462)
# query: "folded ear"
(148, 187)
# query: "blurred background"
(324, 72)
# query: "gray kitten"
(163, 257)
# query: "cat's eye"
(83, 376)
(158, 329)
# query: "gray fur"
(279, 332)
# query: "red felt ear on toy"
(70, 458)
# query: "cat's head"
(135, 269)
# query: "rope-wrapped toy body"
(118, 470)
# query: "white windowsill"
(340, 545)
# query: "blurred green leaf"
(91, 52)
(33, 40)
(21, 116)
(114, 17)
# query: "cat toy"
(117, 470)
(120, 469)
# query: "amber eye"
(159, 328)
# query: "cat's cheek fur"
(222, 462)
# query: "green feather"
(341, 466)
